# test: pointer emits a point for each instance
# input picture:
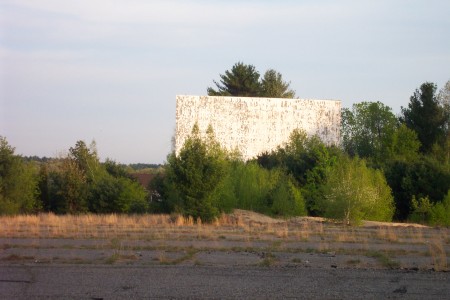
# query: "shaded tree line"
(387, 167)
(75, 183)
(412, 149)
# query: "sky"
(109, 70)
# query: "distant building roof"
(144, 178)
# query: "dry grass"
(177, 239)
(241, 229)
(387, 233)
(438, 255)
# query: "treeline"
(75, 183)
(387, 168)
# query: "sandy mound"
(247, 216)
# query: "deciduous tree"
(367, 130)
(18, 182)
(354, 192)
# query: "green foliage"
(252, 185)
(404, 145)
(244, 80)
(426, 116)
(286, 199)
(204, 180)
(307, 160)
(367, 130)
(273, 86)
(421, 210)
(425, 177)
(117, 195)
(426, 212)
(440, 212)
(354, 192)
(79, 183)
(67, 188)
(18, 182)
(195, 173)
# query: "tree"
(307, 160)
(117, 195)
(242, 80)
(86, 159)
(195, 173)
(403, 145)
(440, 212)
(426, 116)
(421, 210)
(444, 100)
(18, 182)
(367, 130)
(286, 199)
(354, 192)
(67, 188)
(78, 183)
(273, 86)
(424, 177)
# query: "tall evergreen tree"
(273, 86)
(426, 116)
(195, 174)
(242, 80)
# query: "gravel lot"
(245, 256)
(213, 282)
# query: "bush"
(194, 174)
(286, 199)
(252, 186)
(421, 210)
(354, 192)
(18, 183)
(307, 160)
(440, 212)
(109, 194)
(420, 178)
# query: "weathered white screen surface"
(255, 125)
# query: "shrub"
(286, 199)
(421, 209)
(440, 212)
(354, 192)
(18, 182)
(195, 173)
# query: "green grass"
(268, 260)
(190, 253)
(383, 259)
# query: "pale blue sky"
(110, 70)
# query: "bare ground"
(240, 243)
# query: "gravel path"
(213, 282)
